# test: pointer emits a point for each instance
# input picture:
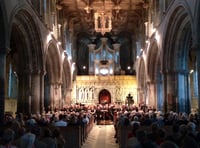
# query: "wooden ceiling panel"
(125, 12)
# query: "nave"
(101, 136)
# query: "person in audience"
(168, 144)
(60, 141)
(47, 138)
(175, 136)
(7, 139)
(85, 119)
(20, 132)
(135, 127)
(38, 133)
(61, 121)
(134, 119)
(27, 140)
(188, 142)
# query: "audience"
(162, 129)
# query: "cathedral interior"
(62, 52)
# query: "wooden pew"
(122, 135)
(72, 135)
(75, 135)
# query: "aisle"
(101, 136)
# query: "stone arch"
(53, 77)
(154, 82)
(26, 56)
(24, 22)
(177, 22)
(104, 97)
(196, 30)
(53, 63)
(177, 45)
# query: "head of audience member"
(27, 140)
(189, 141)
(168, 144)
(183, 129)
(8, 136)
(191, 127)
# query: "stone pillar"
(69, 96)
(141, 96)
(59, 96)
(151, 94)
(183, 88)
(196, 49)
(35, 90)
(24, 91)
(42, 74)
(169, 91)
(91, 58)
(2, 83)
(116, 47)
(55, 95)
(52, 102)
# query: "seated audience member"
(48, 139)
(168, 144)
(60, 141)
(135, 127)
(19, 134)
(188, 142)
(176, 135)
(135, 120)
(61, 121)
(7, 139)
(38, 133)
(85, 119)
(191, 128)
(27, 140)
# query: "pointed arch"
(26, 57)
(177, 47)
(53, 63)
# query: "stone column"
(151, 94)
(42, 74)
(24, 91)
(68, 99)
(182, 97)
(116, 47)
(35, 90)
(2, 83)
(52, 92)
(196, 49)
(59, 96)
(91, 58)
(169, 91)
(55, 95)
(141, 96)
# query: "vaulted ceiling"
(127, 17)
(126, 14)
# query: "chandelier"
(103, 22)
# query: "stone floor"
(101, 136)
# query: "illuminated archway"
(104, 97)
